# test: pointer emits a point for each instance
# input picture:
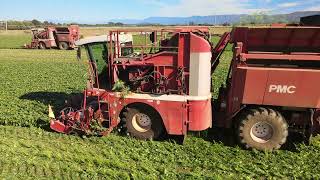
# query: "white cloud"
(152, 2)
(313, 8)
(289, 4)
(208, 7)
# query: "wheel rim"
(42, 46)
(141, 122)
(63, 46)
(261, 132)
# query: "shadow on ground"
(228, 137)
(58, 100)
(219, 135)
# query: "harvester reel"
(262, 129)
(143, 123)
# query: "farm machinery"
(54, 37)
(163, 87)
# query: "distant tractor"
(54, 37)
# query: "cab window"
(126, 49)
(98, 55)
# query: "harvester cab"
(36, 31)
(98, 55)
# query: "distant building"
(310, 20)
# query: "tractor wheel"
(42, 45)
(262, 129)
(143, 123)
(63, 46)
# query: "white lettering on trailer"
(282, 89)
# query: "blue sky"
(104, 10)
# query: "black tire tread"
(156, 128)
(42, 45)
(61, 46)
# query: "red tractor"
(54, 37)
(163, 87)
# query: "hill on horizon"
(220, 19)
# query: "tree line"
(26, 25)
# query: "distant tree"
(118, 24)
(255, 18)
(110, 23)
(192, 23)
(36, 22)
(281, 19)
(226, 24)
(47, 23)
(263, 18)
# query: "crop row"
(26, 150)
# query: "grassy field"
(93, 31)
(32, 152)
(32, 79)
(10, 40)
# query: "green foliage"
(30, 80)
(33, 152)
(36, 22)
(26, 25)
(8, 41)
(263, 18)
(96, 128)
(120, 86)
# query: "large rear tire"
(143, 123)
(262, 129)
(63, 46)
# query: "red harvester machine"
(54, 37)
(272, 87)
